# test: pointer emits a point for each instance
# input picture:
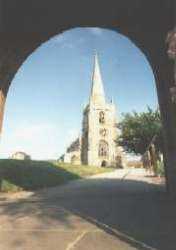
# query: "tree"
(139, 129)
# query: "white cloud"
(66, 42)
(59, 38)
(67, 45)
(30, 132)
(41, 141)
(96, 31)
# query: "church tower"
(99, 130)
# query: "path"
(120, 210)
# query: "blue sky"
(45, 102)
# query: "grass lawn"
(18, 175)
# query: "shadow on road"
(131, 210)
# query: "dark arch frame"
(25, 25)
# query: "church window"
(103, 132)
(102, 117)
(103, 148)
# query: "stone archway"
(25, 25)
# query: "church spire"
(97, 92)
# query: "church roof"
(74, 146)
(97, 92)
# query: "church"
(97, 144)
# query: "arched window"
(102, 117)
(103, 148)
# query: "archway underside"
(26, 25)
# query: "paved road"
(120, 210)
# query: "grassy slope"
(31, 175)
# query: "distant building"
(97, 145)
(20, 156)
